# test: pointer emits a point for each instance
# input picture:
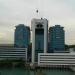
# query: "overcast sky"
(14, 12)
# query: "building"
(56, 59)
(22, 36)
(56, 39)
(39, 29)
(13, 54)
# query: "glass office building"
(22, 36)
(56, 39)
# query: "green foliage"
(10, 63)
(69, 46)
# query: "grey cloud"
(13, 12)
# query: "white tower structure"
(41, 27)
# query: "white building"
(56, 59)
(13, 53)
(39, 24)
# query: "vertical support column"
(26, 51)
(33, 42)
(45, 35)
(33, 47)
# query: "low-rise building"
(13, 54)
(56, 59)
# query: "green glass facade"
(56, 38)
(22, 36)
(39, 42)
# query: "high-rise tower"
(56, 39)
(22, 36)
(39, 37)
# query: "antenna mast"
(37, 13)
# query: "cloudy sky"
(14, 12)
